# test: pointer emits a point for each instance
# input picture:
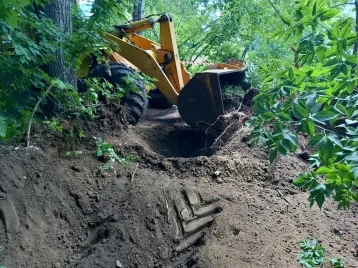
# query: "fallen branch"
(135, 170)
(284, 198)
(33, 113)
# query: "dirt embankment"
(174, 207)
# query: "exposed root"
(135, 170)
(232, 123)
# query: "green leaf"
(336, 70)
(330, 13)
(321, 53)
(268, 115)
(325, 149)
(299, 111)
(340, 108)
(350, 122)
(308, 126)
(99, 153)
(352, 157)
(335, 140)
(306, 181)
(276, 33)
(3, 127)
(339, 51)
(268, 79)
(273, 155)
(24, 2)
(12, 18)
(286, 144)
(351, 59)
(325, 170)
(285, 20)
(292, 138)
(282, 149)
(284, 117)
(330, 62)
(291, 74)
(318, 195)
(323, 116)
(316, 139)
(346, 29)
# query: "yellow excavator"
(198, 98)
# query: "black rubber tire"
(137, 102)
(158, 101)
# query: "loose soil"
(173, 206)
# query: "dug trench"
(170, 206)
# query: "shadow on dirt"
(167, 134)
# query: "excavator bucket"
(200, 102)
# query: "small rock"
(220, 180)
(57, 265)
(76, 168)
(216, 173)
(236, 230)
(119, 264)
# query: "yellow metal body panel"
(164, 53)
(169, 43)
(116, 57)
(185, 74)
(233, 66)
(142, 42)
(148, 65)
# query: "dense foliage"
(29, 42)
(316, 95)
(313, 255)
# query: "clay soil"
(170, 206)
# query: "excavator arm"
(165, 54)
(147, 62)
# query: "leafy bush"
(105, 148)
(316, 96)
(314, 255)
(29, 42)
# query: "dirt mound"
(165, 209)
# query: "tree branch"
(199, 54)
(275, 8)
(33, 113)
(196, 34)
(343, 4)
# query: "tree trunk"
(138, 11)
(60, 12)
